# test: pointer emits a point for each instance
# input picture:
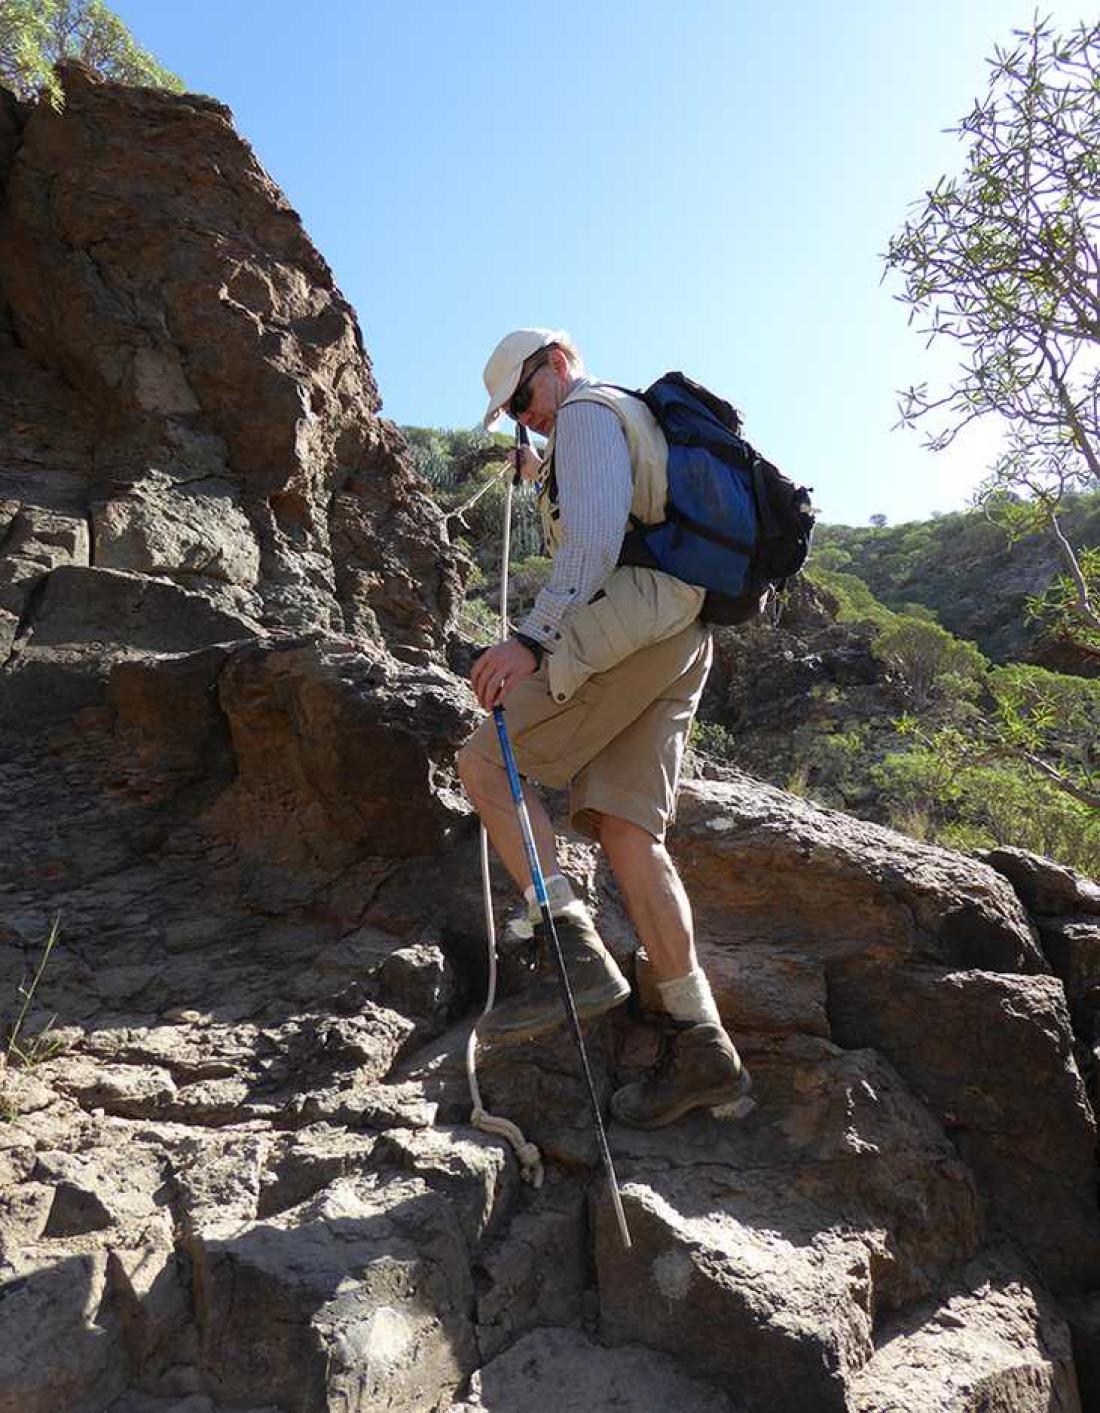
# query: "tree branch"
(1069, 409)
(1063, 782)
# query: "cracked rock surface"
(237, 1169)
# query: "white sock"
(689, 998)
(559, 893)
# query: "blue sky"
(706, 187)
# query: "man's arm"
(595, 488)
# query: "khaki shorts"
(618, 742)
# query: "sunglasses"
(520, 400)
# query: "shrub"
(928, 659)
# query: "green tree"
(928, 658)
(830, 556)
(1002, 262)
(1049, 721)
(941, 791)
(467, 475)
(37, 34)
(1059, 605)
(1041, 726)
(855, 601)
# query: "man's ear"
(559, 361)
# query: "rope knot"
(530, 1162)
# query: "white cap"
(502, 372)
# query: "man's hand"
(498, 669)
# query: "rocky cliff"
(238, 1173)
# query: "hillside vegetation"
(891, 717)
(964, 568)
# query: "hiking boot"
(521, 945)
(698, 1069)
(595, 979)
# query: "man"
(600, 683)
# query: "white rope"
(505, 556)
(527, 1154)
(506, 470)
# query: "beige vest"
(648, 457)
(637, 606)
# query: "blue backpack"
(734, 524)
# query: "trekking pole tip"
(620, 1215)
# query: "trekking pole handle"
(523, 441)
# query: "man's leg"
(654, 896)
(558, 743)
(597, 982)
(705, 1069)
(486, 783)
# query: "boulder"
(994, 1340)
(61, 1341)
(1045, 887)
(95, 1292)
(908, 932)
(993, 1057)
(194, 531)
(362, 1293)
(767, 865)
(99, 613)
(562, 1371)
(78, 620)
(759, 989)
(339, 752)
(731, 1232)
(1072, 946)
(535, 1273)
(36, 541)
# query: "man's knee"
(614, 833)
(467, 763)
(475, 771)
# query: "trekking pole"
(522, 441)
(563, 976)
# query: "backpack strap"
(634, 550)
(706, 532)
